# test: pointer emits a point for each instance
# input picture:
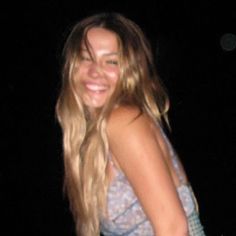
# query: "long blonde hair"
(85, 141)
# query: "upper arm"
(136, 149)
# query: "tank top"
(125, 215)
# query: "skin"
(99, 72)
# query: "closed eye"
(112, 62)
(85, 58)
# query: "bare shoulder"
(128, 125)
(125, 118)
(124, 114)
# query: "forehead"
(100, 38)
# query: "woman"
(122, 176)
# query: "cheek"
(79, 74)
(81, 71)
(113, 76)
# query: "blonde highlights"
(85, 143)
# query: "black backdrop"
(197, 71)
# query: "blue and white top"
(125, 215)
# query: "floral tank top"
(125, 214)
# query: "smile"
(95, 87)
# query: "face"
(98, 71)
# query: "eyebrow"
(105, 54)
(111, 54)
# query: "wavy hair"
(85, 144)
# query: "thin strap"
(114, 167)
(174, 158)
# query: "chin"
(94, 104)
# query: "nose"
(95, 70)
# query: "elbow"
(181, 229)
(178, 227)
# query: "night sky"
(196, 61)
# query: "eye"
(112, 62)
(85, 58)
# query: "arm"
(136, 150)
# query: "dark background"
(197, 71)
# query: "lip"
(95, 87)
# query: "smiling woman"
(122, 175)
(98, 70)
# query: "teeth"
(95, 87)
